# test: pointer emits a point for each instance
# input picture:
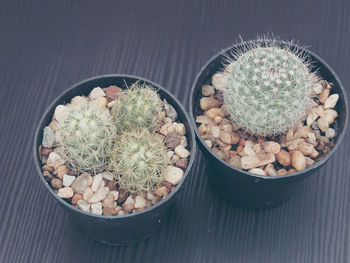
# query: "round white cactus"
(269, 88)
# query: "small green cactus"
(269, 88)
(139, 160)
(85, 138)
(137, 107)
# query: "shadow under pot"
(117, 228)
(258, 189)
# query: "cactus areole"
(269, 88)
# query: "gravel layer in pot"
(94, 186)
(298, 149)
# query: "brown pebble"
(123, 195)
(111, 185)
(324, 95)
(48, 174)
(46, 151)
(172, 140)
(56, 183)
(298, 161)
(239, 149)
(272, 147)
(235, 138)
(182, 163)
(161, 191)
(76, 198)
(47, 168)
(111, 92)
(282, 172)
(292, 170)
(208, 103)
(61, 170)
(283, 157)
(241, 142)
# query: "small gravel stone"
(53, 125)
(102, 101)
(83, 205)
(166, 129)
(175, 158)
(173, 174)
(331, 101)
(208, 103)
(112, 92)
(330, 116)
(282, 172)
(294, 145)
(87, 194)
(309, 161)
(324, 95)
(150, 195)
(129, 204)
(115, 194)
(219, 81)
(283, 157)
(47, 168)
(270, 170)
(256, 171)
(257, 160)
(76, 198)
(123, 195)
(317, 88)
(207, 90)
(330, 133)
(235, 161)
(96, 92)
(181, 151)
(56, 183)
(161, 191)
(65, 192)
(167, 120)
(208, 143)
(184, 141)
(108, 176)
(203, 119)
(323, 124)
(214, 112)
(226, 137)
(48, 137)
(96, 182)
(99, 195)
(46, 151)
(81, 183)
(78, 101)
(306, 148)
(170, 111)
(302, 132)
(172, 140)
(180, 129)
(140, 202)
(298, 161)
(55, 160)
(215, 130)
(182, 163)
(96, 208)
(61, 113)
(68, 179)
(272, 147)
(61, 170)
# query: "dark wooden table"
(46, 46)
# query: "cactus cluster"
(86, 136)
(139, 160)
(269, 87)
(137, 107)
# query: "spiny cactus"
(86, 137)
(269, 88)
(137, 107)
(139, 160)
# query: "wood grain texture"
(46, 46)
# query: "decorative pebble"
(184, 141)
(150, 195)
(298, 161)
(173, 174)
(272, 147)
(306, 148)
(323, 124)
(331, 101)
(61, 170)
(48, 137)
(172, 140)
(65, 192)
(180, 129)
(161, 191)
(140, 202)
(283, 157)
(166, 129)
(96, 208)
(207, 90)
(61, 113)
(256, 171)
(108, 176)
(99, 195)
(208, 103)
(170, 111)
(68, 179)
(112, 92)
(83, 205)
(257, 160)
(81, 183)
(96, 182)
(208, 143)
(102, 101)
(330, 133)
(56, 183)
(96, 92)
(219, 81)
(181, 151)
(182, 163)
(76, 198)
(317, 88)
(129, 204)
(87, 194)
(78, 101)
(55, 160)
(203, 119)
(324, 95)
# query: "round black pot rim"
(121, 217)
(265, 177)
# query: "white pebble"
(180, 129)
(61, 113)
(330, 133)
(331, 101)
(96, 182)
(96, 208)
(184, 141)
(78, 101)
(219, 81)
(83, 205)
(317, 88)
(99, 195)
(65, 192)
(140, 202)
(256, 171)
(55, 160)
(48, 137)
(207, 90)
(181, 151)
(173, 174)
(215, 130)
(108, 176)
(68, 179)
(96, 92)
(208, 143)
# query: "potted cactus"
(114, 151)
(267, 114)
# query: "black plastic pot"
(126, 229)
(254, 191)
